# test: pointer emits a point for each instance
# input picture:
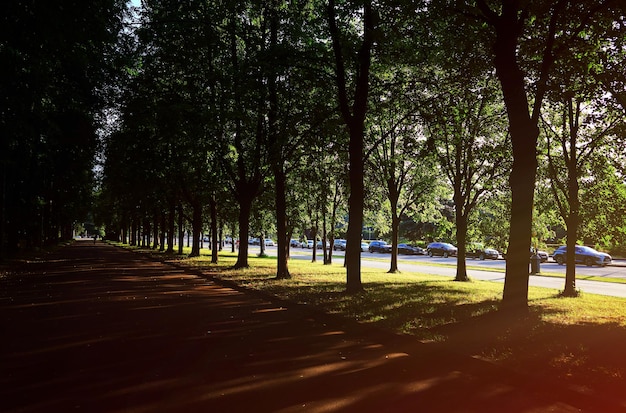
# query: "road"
(488, 270)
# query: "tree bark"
(245, 206)
(155, 230)
(171, 223)
(524, 132)
(214, 240)
(461, 238)
(395, 227)
(574, 208)
(162, 233)
(282, 270)
(325, 251)
(181, 230)
(196, 228)
(355, 119)
(133, 232)
(314, 248)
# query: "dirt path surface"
(95, 328)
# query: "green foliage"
(603, 208)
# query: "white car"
(269, 243)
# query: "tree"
(578, 126)
(399, 158)
(354, 118)
(245, 133)
(603, 204)
(58, 59)
(466, 124)
(294, 100)
(528, 37)
(581, 117)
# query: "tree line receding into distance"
(492, 121)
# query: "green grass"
(575, 340)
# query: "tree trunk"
(155, 230)
(524, 132)
(282, 270)
(461, 238)
(395, 226)
(233, 239)
(147, 231)
(262, 244)
(289, 235)
(354, 117)
(214, 248)
(516, 279)
(171, 223)
(314, 248)
(162, 233)
(133, 232)
(245, 206)
(326, 253)
(355, 211)
(574, 211)
(181, 230)
(196, 228)
(570, 261)
(124, 231)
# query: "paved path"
(98, 329)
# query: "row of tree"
(59, 61)
(307, 111)
(231, 101)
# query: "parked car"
(365, 247)
(441, 248)
(379, 246)
(320, 245)
(409, 249)
(295, 243)
(482, 253)
(254, 241)
(269, 242)
(584, 255)
(308, 244)
(339, 245)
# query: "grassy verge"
(576, 341)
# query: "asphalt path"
(95, 328)
(489, 270)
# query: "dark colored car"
(379, 246)
(482, 253)
(583, 255)
(339, 245)
(441, 248)
(409, 249)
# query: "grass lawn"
(574, 340)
